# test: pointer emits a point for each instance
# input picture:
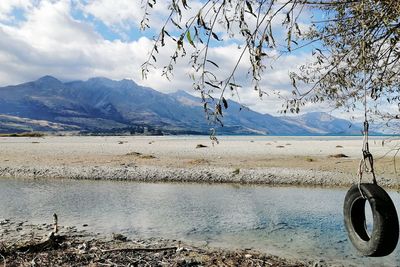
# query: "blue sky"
(79, 39)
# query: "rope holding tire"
(385, 233)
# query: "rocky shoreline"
(24, 244)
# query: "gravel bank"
(271, 176)
(248, 160)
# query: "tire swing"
(385, 232)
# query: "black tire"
(385, 232)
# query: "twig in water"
(55, 223)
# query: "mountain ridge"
(101, 105)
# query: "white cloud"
(123, 15)
(7, 6)
(51, 42)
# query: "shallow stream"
(303, 223)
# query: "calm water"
(269, 138)
(300, 222)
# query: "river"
(303, 223)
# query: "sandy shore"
(258, 160)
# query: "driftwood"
(73, 249)
(138, 249)
(52, 242)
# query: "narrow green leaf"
(234, 84)
(212, 62)
(215, 36)
(176, 24)
(212, 85)
(185, 5)
(189, 38)
(249, 7)
(225, 102)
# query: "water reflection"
(300, 222)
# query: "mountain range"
(104, 106)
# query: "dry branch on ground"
(78, 248)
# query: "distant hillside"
(104, 106)
(324, 124)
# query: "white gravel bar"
(310, 161)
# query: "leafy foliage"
(360, 41)
(354, 44)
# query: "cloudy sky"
(79, 39)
